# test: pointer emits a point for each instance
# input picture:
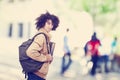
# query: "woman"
(38, 50)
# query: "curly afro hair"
(42, 19)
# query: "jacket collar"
(45, 32)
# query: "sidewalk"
(11, 72)
(74, 73)
(8, 72)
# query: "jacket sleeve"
(34, 50)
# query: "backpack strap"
(45, 38)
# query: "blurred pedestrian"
(113, 52)
(38, 49)
(105, 52)
(114, 45)
(85, 48)
(66, 59)
(93, 50)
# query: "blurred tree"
(101, 10)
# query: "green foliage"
(85, 6)
(108, 6)
(105, 9)
(104, 6)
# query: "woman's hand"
(49, 58)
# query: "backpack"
(29, 65)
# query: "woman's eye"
(48, 23)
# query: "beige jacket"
(38, 51)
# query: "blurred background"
(82, 17)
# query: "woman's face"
(48, 25)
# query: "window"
(20, 29)
(10, 30)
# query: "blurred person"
(113, 52)
(114, 45)
(85, 48)
(105, 52)
(38, 49)
(93, 50)
(66, 59)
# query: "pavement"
(75, 72)
(10, 72)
